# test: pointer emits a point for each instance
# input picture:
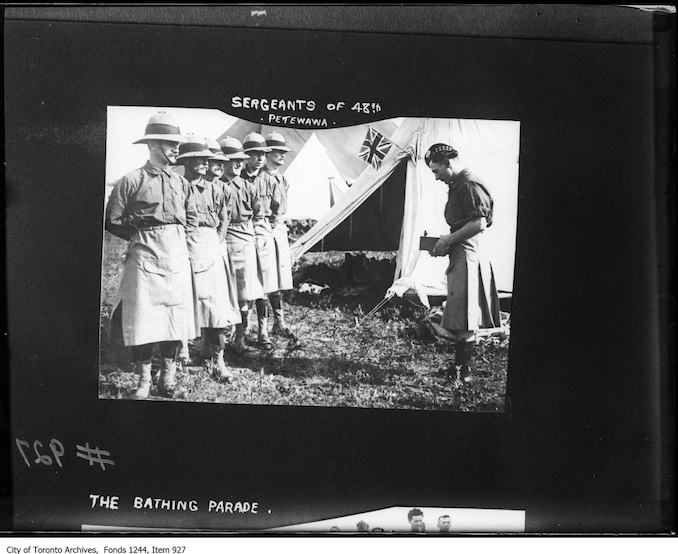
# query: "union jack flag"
(374, 148)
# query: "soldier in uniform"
(215, 171)
(240, 235)
(472, 299)
(214, 310)
(152, 207)
(255, 146)
(279, 186)
(215, 164)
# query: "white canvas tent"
(490, 148)
(318, 184)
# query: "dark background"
(587, 445)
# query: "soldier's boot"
(201, 347)
(144, 387)
(263, 339)
(251, 328)
(218, 367)
(239, 340)
(279, 326)
(183, 356)
(168, 378)
(464, 360)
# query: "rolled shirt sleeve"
(477, 202)
(468, 199)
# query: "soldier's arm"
(115, 220)
(191, 210)
(255, 199)
(225, 208)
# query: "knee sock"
(169, 349)
(262, 307)
(142, 353)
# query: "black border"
(663, 32)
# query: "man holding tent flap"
(472, 298)
(152, 207)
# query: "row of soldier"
(204, 248)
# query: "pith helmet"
(275, 141)
(161, 126)
(217, 154)
(194, 147)
(254, 141)
(232, 148)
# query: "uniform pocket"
(165, 282)
(201, 265)
(263, 243)
(203, 278)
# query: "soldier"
(415, 517)
(215, 171)
(215, 164)
(444, 523)
(214, 310)
(152, 207)
(240, 235)
(275, 159)
(255, 146)
(472, 299)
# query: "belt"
(159, 226)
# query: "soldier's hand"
(441, 248)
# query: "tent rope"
(375, 309)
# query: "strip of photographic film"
(393, 520)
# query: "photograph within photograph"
(368, 266)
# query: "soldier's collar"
(459, 178)
(153, 170)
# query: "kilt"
(472, 298)
(267, 271)
(155, 292)
(241, 247)
(213, 305)
(283, 257)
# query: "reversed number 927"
(55, 446)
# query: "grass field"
(390, 361)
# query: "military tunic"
(472, 299)
(279, 189)
(152, 208)
(215, 304)
(241, 241)
(267, 271)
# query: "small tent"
(490, 149)
(318, 184)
